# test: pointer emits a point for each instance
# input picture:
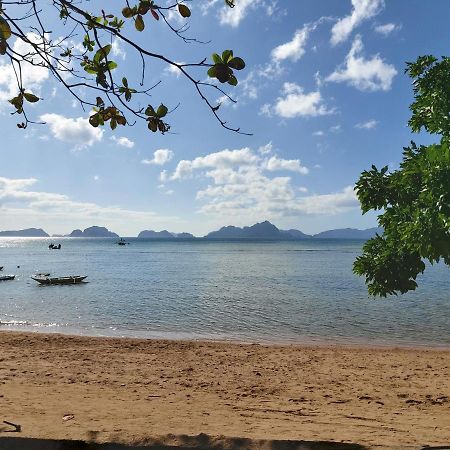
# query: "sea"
(301, 292)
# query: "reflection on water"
(251, 291)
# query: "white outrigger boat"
(43, 279)
(7, 277)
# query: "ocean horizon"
(294, 292)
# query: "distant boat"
(54, 247)
(122, 242)
(59, 280)
(7, 277)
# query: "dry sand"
(133, 391)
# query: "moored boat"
(7, 277)
(75, 279)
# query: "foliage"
(416, 197)
(82, 60)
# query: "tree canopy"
(82, 62)
(415, 199)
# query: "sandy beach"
(134, 391)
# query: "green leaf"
(233, 80)
(184, 10)
(139, 23)
(102, 53)
(216, 58)
(227, 55)
(153, 125)
(127, 12)
(125, 82)
(236, 63)
(94, 120)
(212, 72)
(150, 111)
(3, 46)
(112, 65)
(31, 98)
(5, 29)
(162, 110)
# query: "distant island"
(262, 231)
(164, 234)
(29, 232)
(93, 232)
(268, 231)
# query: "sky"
(323, 94)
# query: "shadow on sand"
(200, 442)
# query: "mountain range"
(263, 230)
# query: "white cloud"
(117, 49)
(318, 133)
(364, 74)
(225, 159)
(47, 209)
(362, 10)
(174, 70)
(369, 125)
(266, 149)
(32, 76)
(123, 141)
(77, 132)
(295, 48)
(160, 157)
(297, 103)
(387, 29)
(335, 129)
(234, 16)
(291, 165)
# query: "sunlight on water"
(258, 291)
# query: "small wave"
(14, 322)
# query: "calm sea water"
(298, 292)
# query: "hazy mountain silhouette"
(93, 232)
(29, 232)
(262, 230)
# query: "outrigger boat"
(7, 277)
(59, 280)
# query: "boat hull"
(7, 277)
(59, 280)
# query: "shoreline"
(185, 337)
(131, 390)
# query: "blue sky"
(324, 94)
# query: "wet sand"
(135, 391)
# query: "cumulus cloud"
(295, 48)
(234, 16)
(242, 182)
(369, 125)
(387, 29)
(291, 165)
(372, 74)
(362, 10)
(297, 103)
(160, 157)
(225, 159)
(117, 49)
(77, 132)
(123, 141)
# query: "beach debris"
(67, 417)
(17, 428)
